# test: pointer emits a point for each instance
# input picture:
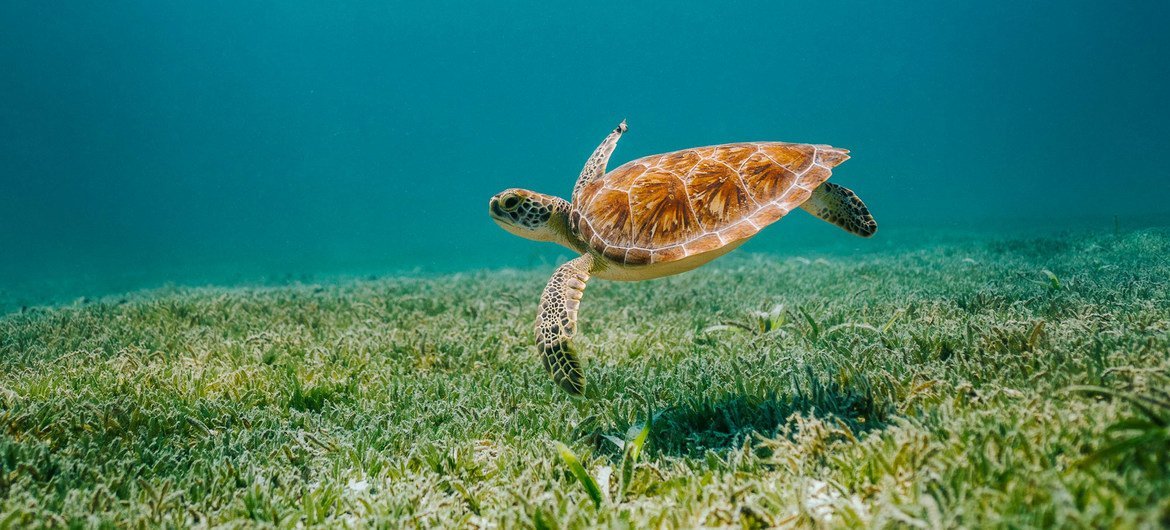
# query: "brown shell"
(663, 208)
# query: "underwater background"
(145, 144)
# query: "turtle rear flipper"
(840, 206)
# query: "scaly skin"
(595, 166)
(556, 323)
(840, 206)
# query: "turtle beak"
(494, 207)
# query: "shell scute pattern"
(623, 177)
(718, 195)
(678, 165)
(661, 211)
(611, 208)
(766, 179)
(768, 214)
(668, 254)
(637, 255)
(617, 254)
(733, 154)
(704, 243)
(663, 208)
(794, 157)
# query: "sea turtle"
(665, 214)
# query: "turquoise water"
(145, 143)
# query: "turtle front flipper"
(595, 166)
(557, 323)
(840, 206)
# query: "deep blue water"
(146, 142)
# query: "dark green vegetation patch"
(1017, 383)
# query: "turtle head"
(531, 215)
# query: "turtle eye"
(510, 203)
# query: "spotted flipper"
(840, 206)
(557, 323)
(595, 166)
